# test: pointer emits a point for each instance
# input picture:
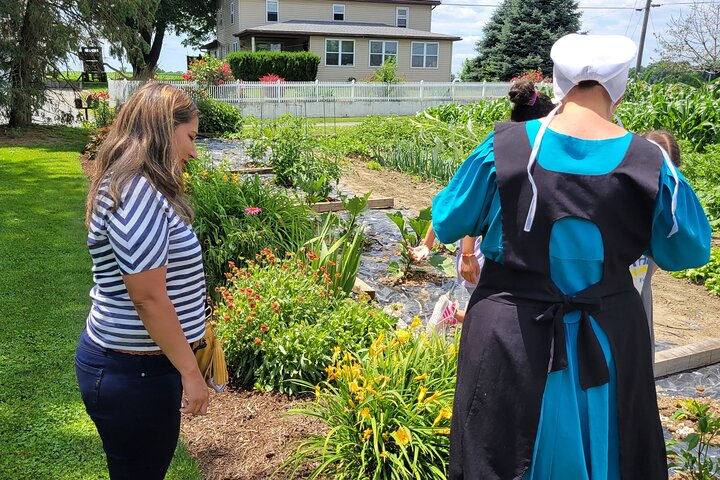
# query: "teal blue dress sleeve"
(689, 247)
(464, 206)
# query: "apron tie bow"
(593, 370)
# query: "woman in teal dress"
(565, 205)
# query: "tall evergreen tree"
(519, 36)
(489, 64)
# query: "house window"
(235, 46)
(340, 53)
(220, 19)
(339, 13)
(401, 17)
(268, 47)
(381, 52)
(272, 8)
(424, 55)
(232, 13)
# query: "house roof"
(343, 29)
(210, 46)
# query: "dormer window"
(273, 10)
(338, 12)
(401, 17)
(232, 13)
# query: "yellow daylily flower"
(416, 322)
(445, 412)
(421, 377)
(366, 435)
(401, 436)
(421, 395)
(403, 336)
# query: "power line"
(494, 5)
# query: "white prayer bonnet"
(603, 58)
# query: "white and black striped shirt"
(142, 234)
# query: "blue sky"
(467, 22)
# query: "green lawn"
(44, 283)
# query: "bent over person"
(555, 374)
(134, 363)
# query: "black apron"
(513, 334)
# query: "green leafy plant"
(239, 218)
(387, 409)
(373, 165)
(280, 319)
(338, 253)
(219, 117)
(694, 458)
(293, 158)
(708, 274)
(413, 230)
(387, 72)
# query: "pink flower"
(271, 78)
(253, 210)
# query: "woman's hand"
(195, 398)
(419, 253)
(470, 268)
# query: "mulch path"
(246, 435)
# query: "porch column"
(252, 44)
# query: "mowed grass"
(45, 278)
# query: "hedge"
(218, 117)
(292, 66)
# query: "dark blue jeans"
(134, 401)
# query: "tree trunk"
(150, 59)
(20, 114)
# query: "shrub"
(235, 218)
(292, 66)
(209, 71)
(218, 117)
(387, 409)
(387, 72)
(280, 320)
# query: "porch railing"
(290, 92)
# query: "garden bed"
(247, 434)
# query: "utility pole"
(642, 36)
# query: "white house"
(351, 37)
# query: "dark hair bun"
(521, 92)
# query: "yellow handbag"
(211, 359)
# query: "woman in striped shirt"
(134, 362)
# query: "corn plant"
(411, 237)
(691, 113)
(694, 458)
(387, 408)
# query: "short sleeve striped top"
(142, 234)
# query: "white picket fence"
(297, 92)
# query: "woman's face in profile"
(184, 141)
